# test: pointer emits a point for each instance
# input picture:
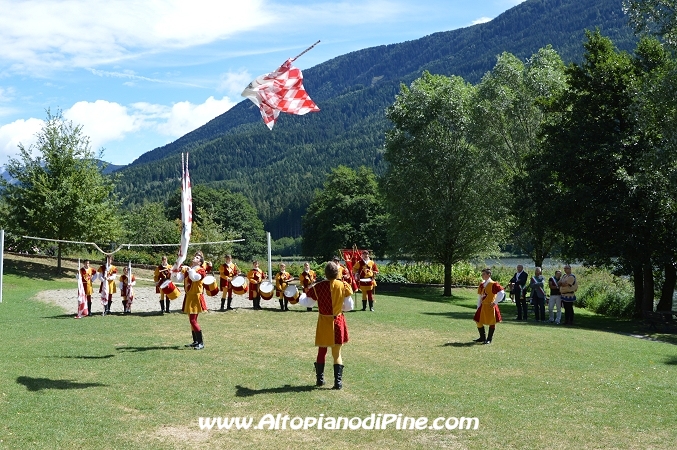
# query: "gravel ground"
(145, 300)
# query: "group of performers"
(331, 330)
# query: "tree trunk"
(447, 279)
(58, 258)
(638, 281)
(648, 297)
(668, 289)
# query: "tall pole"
(270, 259)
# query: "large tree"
(348, 211)
(658, 17)
(615, 175)
(60, 192)
(444, 194)
(508, 117)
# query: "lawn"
(128, 382)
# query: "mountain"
(279, 169)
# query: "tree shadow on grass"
(671, 361)
(36, 270)
(247, 392)
(39, 384)
(85, 357)
(132, 349)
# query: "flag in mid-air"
(186, 214)
(281, 90)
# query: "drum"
(267, 289)
(239, 284)
(171, 291)
(366, 284)
(291, 294)
(210, 285)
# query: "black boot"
(482, 337)
(286, 304)
(281, 305)
(364, 305)
(371, 305)
(338, 377)
(200, 342)
(319, 373)
(228, 307)
(167, 306)
(309, 309)
(194, 344)
(89, 309)
(162, 307)
(223, 304)
(491, 335)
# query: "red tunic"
(331, 323)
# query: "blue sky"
(139, 74)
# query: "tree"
(221, 212)
(614, 173)
(445, 195)
(658, 17)
(508, 117)
(60, 193)
(348, 211)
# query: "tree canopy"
(445, 195)
(59, 191)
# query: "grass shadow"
(147, 349)
(85, 357)
(460, 344)
(671, 361)
(36, 270)
(242, 391)
(39, 384)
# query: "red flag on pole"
(281, 90)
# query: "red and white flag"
(281, 90)
(186, 214)
(82, 297)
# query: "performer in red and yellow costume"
(308, 277)
(126, 290)
(490, 293)
(87, 273)
(331, 330)
(163, 272)
(227, 271)
(255, 276)
(282, 279)
(194, 301)
(107, 273)
(366, 271)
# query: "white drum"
(291, 294)
(239, 285)
(210, 285)
(267, 289)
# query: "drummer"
(255, 276)
(282, 280)
(227, 271)
(163, 273)
(308, 277)
(366, 270)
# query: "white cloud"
(481, 20)
(234, 82)
(47, 34)
(18, 132)
(184, 117)
(103, 121)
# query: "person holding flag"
(83, 311)
(87, 278)
(127, 280)
(194, 300)
(107, 273)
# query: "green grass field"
(128, 382)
